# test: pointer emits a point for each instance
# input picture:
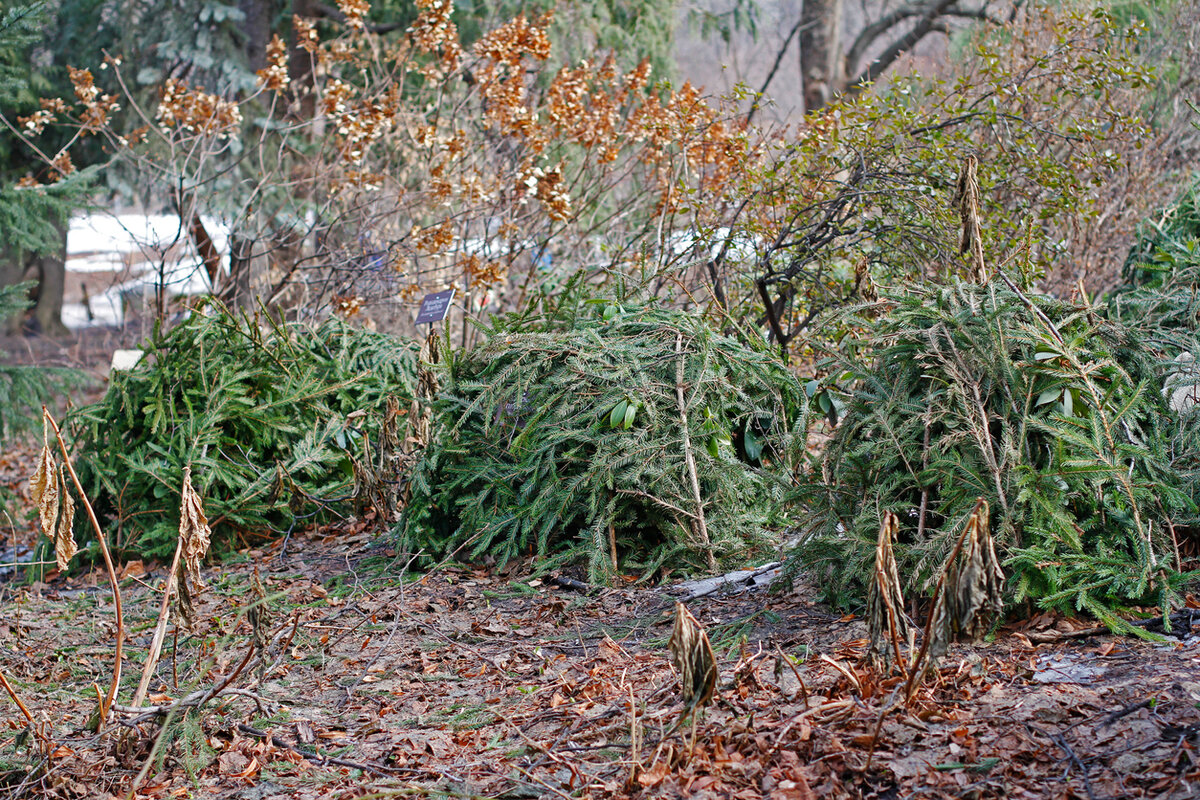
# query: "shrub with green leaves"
(960, 392)
(267, 415)
(569, 442)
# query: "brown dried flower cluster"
(484, 274)
(62, 166)
(365, 180)
(275, 76)
(355, 12)
(585, 104)
(510, 42)
(358, 123)
(306, 34)
(502, 78)
(36, 122)
(196, 111)
(84, 84)
(433, 32)
(547, 187)
(97, 108)
(347, 306)
(434, 238)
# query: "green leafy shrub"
(266, 418)
(962, 392)
(569, 442)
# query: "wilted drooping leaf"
(194, 533)
(886, 621)
(64, 534)
(975, 581)
(969, 596)
(693, 657)
(56, 508)
(43, 489)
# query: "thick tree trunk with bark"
(257, 26)
(49, 271)
(821, 71)
(826, 70)
(52, 281)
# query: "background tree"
(37, 185)
(830, 67)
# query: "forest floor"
(484, 683)
(376, 681)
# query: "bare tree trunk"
(52, 281)
(50, 272)
(821, 69)
(239, 293)
(257, 28)
(300, 63)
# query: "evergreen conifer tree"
(33, 218)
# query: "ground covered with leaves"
(363, 679)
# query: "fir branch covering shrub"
(568, 442)
(1158, 302)
(962, 392)
(267, 416)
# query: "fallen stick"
(742, 579)
(701, 527)
(193, 700)
(570, 583)
(380, 770)
(160, 629)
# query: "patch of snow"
(1182, 388)
(152, 234)
(146, 250)
(126, 359)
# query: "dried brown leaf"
(886, 621)
(43, 488)
(194, 533)
(64, 533)
(693, 656)
(975, 582)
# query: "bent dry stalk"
(194, 537)
(106, 701)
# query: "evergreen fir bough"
(1158, 301)
(269, 418)
(964, 392)
(569, 443)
